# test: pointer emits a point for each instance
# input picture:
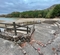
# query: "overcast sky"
(8, 6)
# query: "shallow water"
(8, 19)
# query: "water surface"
(9, 19)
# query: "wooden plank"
(7, 23)
(18, 29)
(2, 27)
(22, 26)
(6, 37)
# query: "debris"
(56, 54)
(55, 51)
(38, 50)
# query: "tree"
(56, 11)
(49, 14)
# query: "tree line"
(52, 12)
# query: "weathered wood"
(5, 27)
(27, 30)
(2, 27)
(0, 30)
(14, 28)
(18, 29)
(6, 23)
(6, 37)
(20, 25)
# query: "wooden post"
(5, 27)
(14, 28)
(27, 29)
(34, 27)
(0, 30)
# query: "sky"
(8, 6)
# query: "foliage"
(56, 11)
(53, 11)
(13, 14)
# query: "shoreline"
(36, 19)
(2, 21)
(32, 19)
